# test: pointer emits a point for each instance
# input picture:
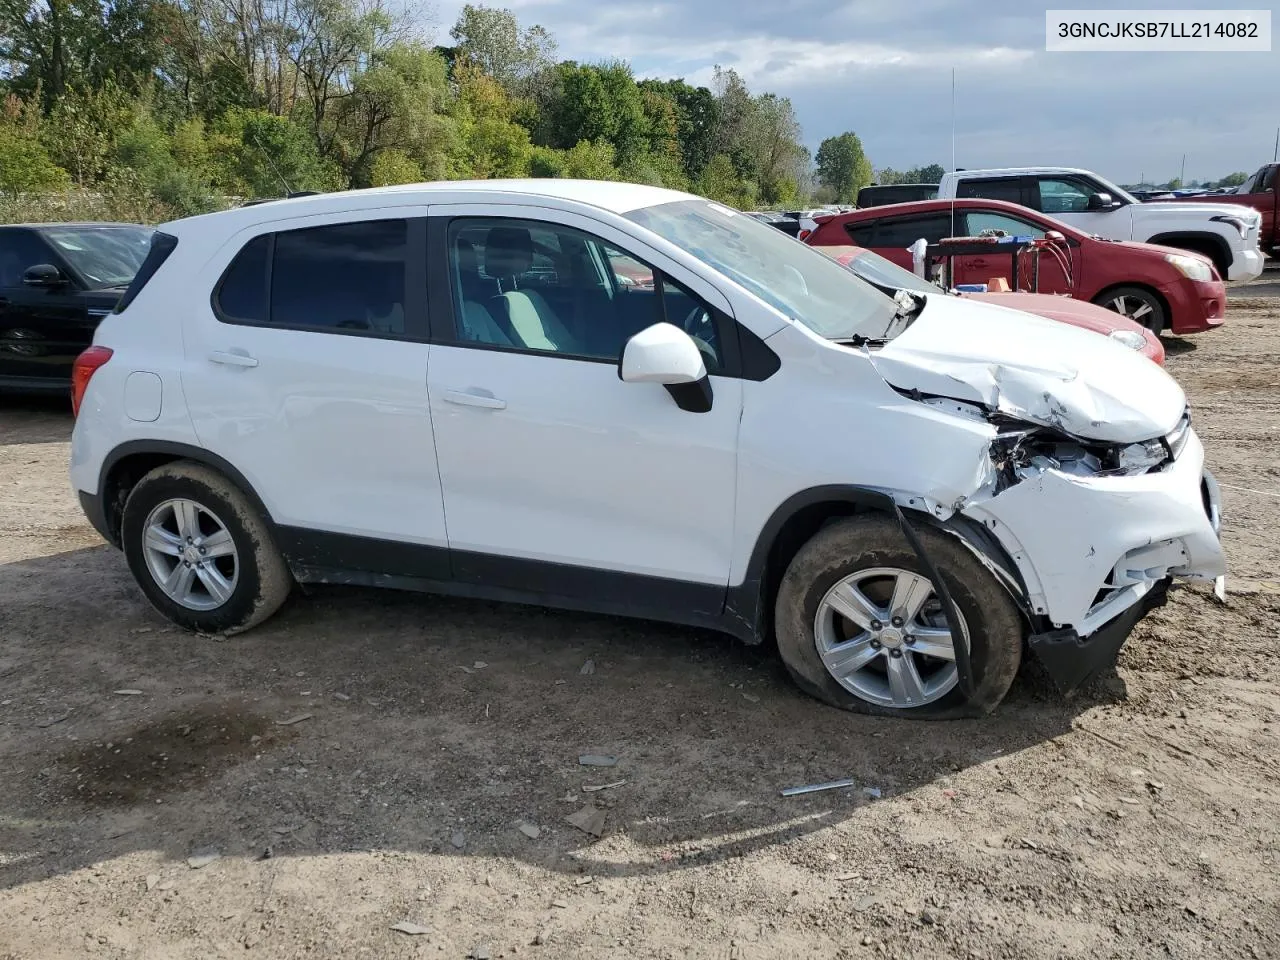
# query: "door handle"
(978, 262)
(467, 398)
(232, 359)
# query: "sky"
(882, 68)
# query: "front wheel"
(1141, 306)
(860, 626)
(200, 551)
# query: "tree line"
(162, 108)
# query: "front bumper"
(1090, 548)
(1246, 265)
(1070, 659)
(1195, 305)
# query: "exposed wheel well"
(795, 533)
(131, 462)
(120, 480)
(1209, 244)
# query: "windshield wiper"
(858, 340)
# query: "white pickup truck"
(1227, 233)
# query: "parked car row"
(1158, 287)
(637, 402)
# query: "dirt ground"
(434, 760)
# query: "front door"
(42, 329)
(308, 373)
(983, 268)
(1066, 198)
(558, 477)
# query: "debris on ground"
(53, 720)
(873, 792)
(410, 928)
(459, 839)
(542, 937)
(130, 692)
(151, 880)
(588, 668)
(341, 696)
(560, 904)
(480, 952)
(292, 720)
(589, 820)
(597, 760)
(593, 787)
(530, 830)
(817, 787)
(202, 858)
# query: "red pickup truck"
(1259, 192)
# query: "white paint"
(143, 397)
(559, 459)
(662, 353)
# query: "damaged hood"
(1033, 369)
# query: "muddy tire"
(864, 565)
(201, 551)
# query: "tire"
(252, 579)
(867, 546)
(1138, 304)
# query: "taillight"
(82, 372)
(802, 234)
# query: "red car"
(887, 276)
(1158, 287)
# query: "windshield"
(792, 278)
(883, 273)
(104, 256)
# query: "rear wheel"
(1141, 306)
(860, 626)
(200, 551)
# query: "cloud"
(883, 69)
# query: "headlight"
(1190, 267)
(1130, 338)
(1237, 222)
(1140, 457)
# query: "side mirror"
(1101, 201)
(43, 275)
(665, 354)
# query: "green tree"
(931, 174)
(491, 143)
(598, 102)
(590, 161)
(696, 121)
(25, 166)
(258, 154)
(720, 182)
(1232, 179)
(518, 58)
(843, 166)
(393, 166)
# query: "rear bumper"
(1195, 305)
(91, 504)
(1247, 265)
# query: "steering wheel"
(701, 329)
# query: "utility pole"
(1182, 177)
(1275, 154)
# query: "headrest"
(508, 251)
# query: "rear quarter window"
(162, 245)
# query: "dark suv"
(57, 281)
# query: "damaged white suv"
(623, 399)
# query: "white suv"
(447, 387)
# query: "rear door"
(42, 329)
(307, 370)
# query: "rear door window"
(339, 278)
(901, 231)
(1009, 189)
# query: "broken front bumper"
(1095, 553)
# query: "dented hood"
(1033, 369)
